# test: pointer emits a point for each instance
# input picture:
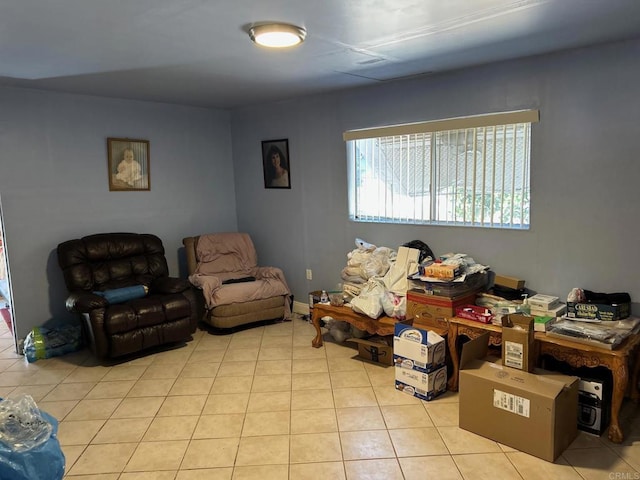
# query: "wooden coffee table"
(383, 326)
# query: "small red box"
(474, 312)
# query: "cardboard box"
(417, 349)
(517, 342)
(543, 302)
(472, 283)
(534, 413)
(441, 270)
(425, 386)
(430, 307)
(553, 312)
(510, 282)
(373, 351)
(598, 311)
(475, 313)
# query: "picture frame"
(275, 163)
(128, 164)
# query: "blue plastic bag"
(34, 455)
(42, 342)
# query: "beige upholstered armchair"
(235, 290)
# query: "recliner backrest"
(112, 260)
(225, 253)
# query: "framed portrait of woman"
(128, 163)
(275, 163)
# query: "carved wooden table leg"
(620, 378)
(315, 318)
(635, 376)
(452, 340)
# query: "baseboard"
(300, 308)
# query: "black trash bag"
(425, 251)
(607, 298)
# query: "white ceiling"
(197, 52)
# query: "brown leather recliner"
(108, 262)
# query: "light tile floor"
(263, 404)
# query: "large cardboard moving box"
(532, 412)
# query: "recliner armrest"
(166, 285)
(84, 302)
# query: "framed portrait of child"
(128, 162)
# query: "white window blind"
(469, 171)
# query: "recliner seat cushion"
(145, 312)
(241, 308)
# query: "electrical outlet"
(309, 274)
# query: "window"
(469, 171)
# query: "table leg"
(620, 372)
(452, 340)
(635, 376)
(317, 341)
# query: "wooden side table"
(617, 361)
(574, 353)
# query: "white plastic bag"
(369, 302)
(367, 261)
(394, 305)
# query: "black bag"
(425, 251)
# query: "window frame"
(481, 125)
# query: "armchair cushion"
(124, 294)
(226, 253)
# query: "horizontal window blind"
(476, 174)
(458, 123)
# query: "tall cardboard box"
(532, 412)
(517, 342)
(418, 349)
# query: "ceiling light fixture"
(277, 35)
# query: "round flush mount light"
(277, 35)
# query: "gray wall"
(584, 175)
(54, 184)
(585, 171)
